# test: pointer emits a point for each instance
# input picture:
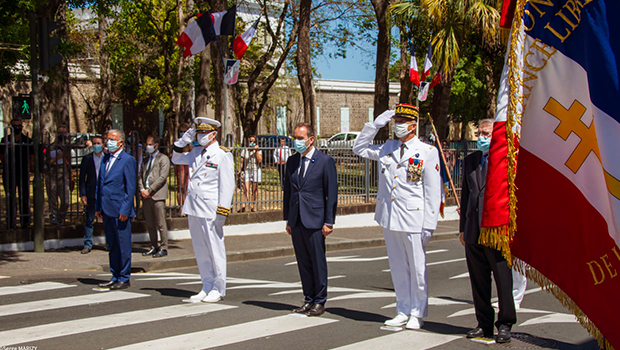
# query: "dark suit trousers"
(481, 262)
(155, 217)
(309, 247)
(118, 238)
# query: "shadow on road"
(271, 305)
(91, 281)
(356, 315)
(172, 292)
(444, 328)
(9, 257)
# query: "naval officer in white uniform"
(407, 207)
(208, 203)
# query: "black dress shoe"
(107, 284)
(478, 333)
(120, 285)
(302, 309)
(316, 310)
(150, 252)
(160, 253)
(503, 336)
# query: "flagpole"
(225, 97)
(445, 164)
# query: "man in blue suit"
(114, 205)
(310, 202)
(89, 173)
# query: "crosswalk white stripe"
(90, 324)
(35, 287)
(59, 303)
(232, 334)
(444, 262)
(1, 277)
(402, 340)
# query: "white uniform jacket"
(211, 180)
(403, 205)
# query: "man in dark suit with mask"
(310, 202)
(482, 260)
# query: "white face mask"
(151, 149)
(401, 129)
(204, 139)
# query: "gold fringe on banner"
(504, 34)
(498, 238)
(550, 287)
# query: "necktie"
(280, 157)
(302, 169)
(403, 147)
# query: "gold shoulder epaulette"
(225, 149)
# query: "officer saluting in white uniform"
(407, 207)
(208, 203)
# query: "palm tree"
(452, 23)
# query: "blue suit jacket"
(116, 188)
(316, 198)
(88, 178)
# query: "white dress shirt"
(97, 159)
(150, 163)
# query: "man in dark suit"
(310, 202)
(89, 173)
(154, 191)
(114, 205)
(482, 260)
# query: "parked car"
(343, 140)
(268, 143)
(78, 146)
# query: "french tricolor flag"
(428, 62)
(242, 42)
(414, 76)
(557, 209)
(205, 29)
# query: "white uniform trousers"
(210, 252)
(407, 257)
(519, 284)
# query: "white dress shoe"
(199, 296)
(213, 297)
(399, 320)
(414, 323)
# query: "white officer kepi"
(208, 203)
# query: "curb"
(148, 266)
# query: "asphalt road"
(63, 312)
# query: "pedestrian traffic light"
(22, 107)
(47, 43)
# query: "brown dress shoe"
(316, 310)
(302, 309)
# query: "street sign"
(22, 107)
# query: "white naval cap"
(206, 124)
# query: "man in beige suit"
(154, 190)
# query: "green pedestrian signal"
(21, 107)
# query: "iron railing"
(357, 179)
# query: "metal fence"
(60, 163)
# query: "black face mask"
(17, 129)
(62, 138)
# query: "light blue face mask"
(252, 144)
(300, 146)
(97, 148)
(483, 143)
(112, 145)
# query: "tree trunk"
(405, 82)
(439, 109)
(202, 93)
(304, 66)
(102, 120)
(382, 85)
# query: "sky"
(357, 66)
